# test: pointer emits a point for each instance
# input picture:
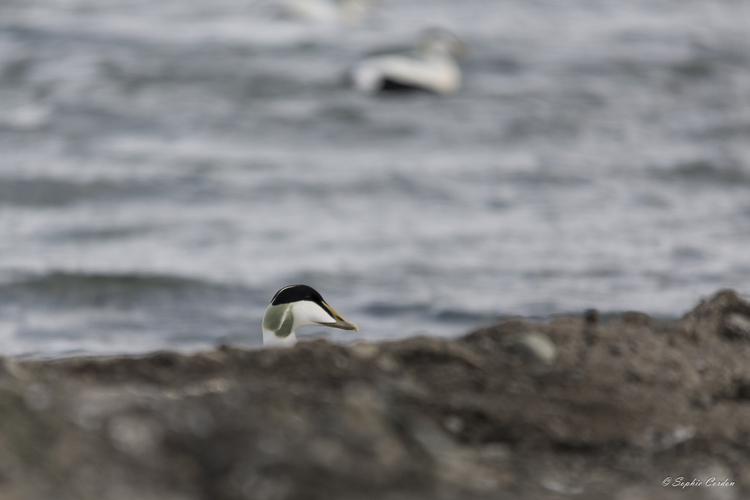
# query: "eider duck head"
(295, 306)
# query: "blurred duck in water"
(429, 67)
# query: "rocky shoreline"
(568, 408)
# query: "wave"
(701, 170)
(48, 192)
(70, 289)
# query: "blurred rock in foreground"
(570, 408)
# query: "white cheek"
(308, 313)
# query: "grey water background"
(166, 166)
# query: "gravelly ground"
(569, 408)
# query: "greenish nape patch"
(278, 321)
(274, 316)
(286, 327)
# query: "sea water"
(166, 167)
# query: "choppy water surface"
(167, 166)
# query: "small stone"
(562, 487)
(364, 350)
(341, 362)
(682, 433)
(664, 440)
(737, 326)
(134, 435)
(536, 346)
(387, 363)
(411, 387)
(495, 453)
(454, 423)
(216, 356)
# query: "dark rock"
(421, 418)
(710, 316)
